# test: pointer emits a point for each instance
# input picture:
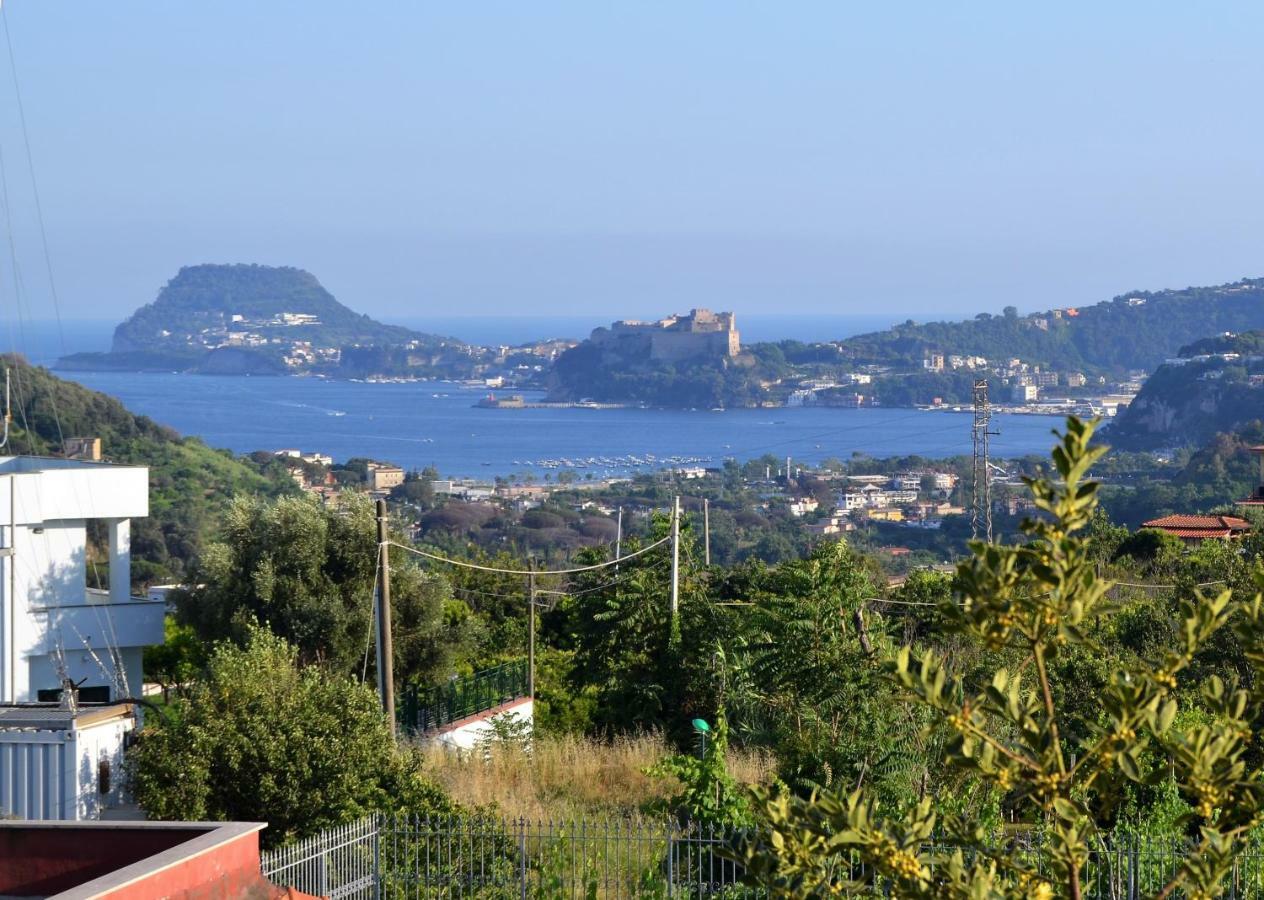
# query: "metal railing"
(416, 857)
(341, 862)
(427, 709)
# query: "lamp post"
(701, 726)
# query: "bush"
(259, 738)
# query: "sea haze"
(435, 423)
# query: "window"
(97, 694)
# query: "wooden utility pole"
(675, 568)
(706, 529)
(531, 631)
(385, 649)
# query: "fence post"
(377, 856)
(1132, 868)
(522, 855)
(671, 862)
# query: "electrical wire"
(469, 565)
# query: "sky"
(932, 160)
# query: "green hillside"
(208, 296)
(252, 319)
(1216, 386)
(1137, 330)
(189, 482)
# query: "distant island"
(693, 360)
(265, 320)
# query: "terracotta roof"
(1199, 523)
(1200, 532)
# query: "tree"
(261, 738)
(175, 662)
(1033, 603)
(307, 572)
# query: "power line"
(469, 565)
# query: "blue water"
(435, 423)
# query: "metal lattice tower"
(981, 495)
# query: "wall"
(468, 732)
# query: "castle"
(700, 335)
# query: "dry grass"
(568, 777)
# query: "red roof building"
(1195, 529)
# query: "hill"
(237, 319)
(189, 482)
(1216, 385)
(692, 360)
(1137, 330)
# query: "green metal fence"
(428, 709)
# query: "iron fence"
(342, 862)
(426, 709)
(413, 857)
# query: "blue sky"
(618, 158)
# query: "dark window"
(98, 694)
(103, 777)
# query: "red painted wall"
(41, 861)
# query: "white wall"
(467, 737)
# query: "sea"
(419, 424)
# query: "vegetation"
(1065, 773)
(569, 776)
(308, 572)
(1188, 403)
(1109, 337)
(260, 738)
(190, 484)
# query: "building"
(701, 334)
(58, 763)
(934, 362)
(85, 448)
(1075, 379)
(1025, 393)
(52, 625)
(801, 506)
(1196, 529)
(384, 476)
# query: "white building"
(49, 617)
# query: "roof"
(1199, 527)
(34, 717)
(1199, 522)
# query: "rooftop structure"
(1195, 529)
(54, 627)
(60, 763)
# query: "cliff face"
(1187, 405)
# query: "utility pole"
(618, 540)
(706, 530)
(675, 567)
(385, 649)
(531, 631)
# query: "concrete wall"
(467, 733)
